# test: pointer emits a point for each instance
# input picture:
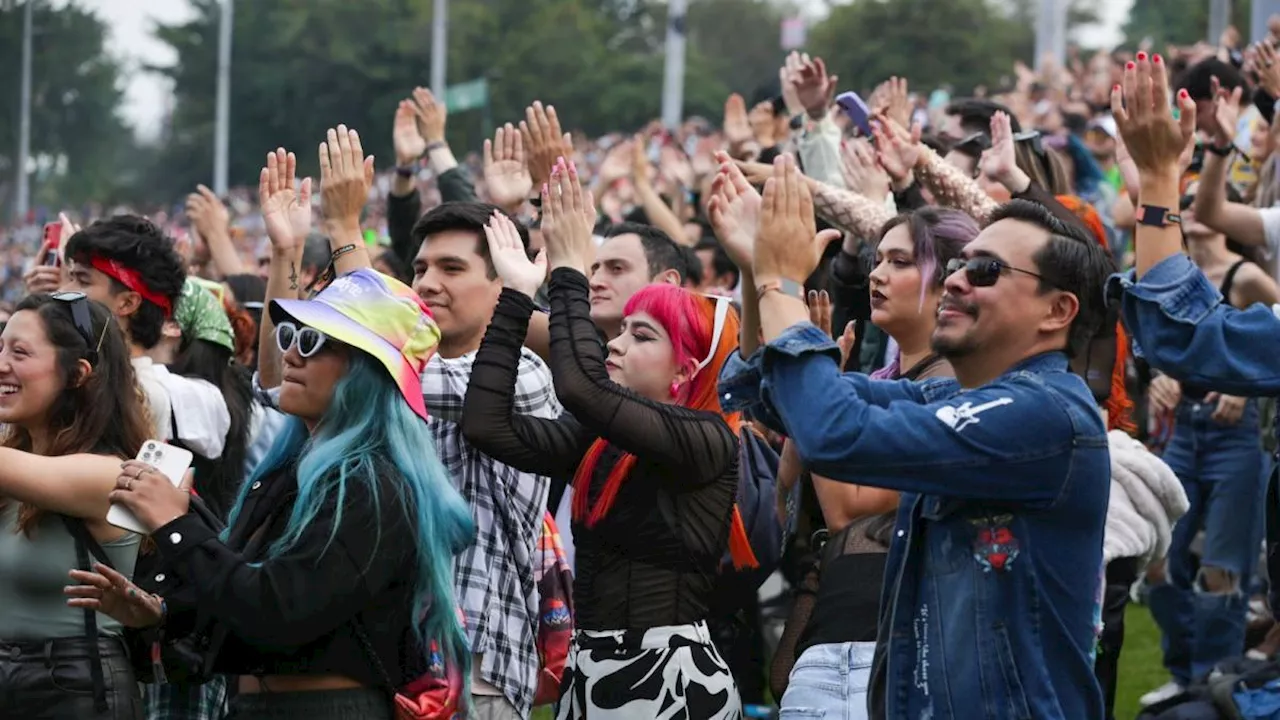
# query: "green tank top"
(33, 572)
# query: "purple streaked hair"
(937, 235)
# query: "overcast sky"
(147, 96)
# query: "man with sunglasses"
(995, 569)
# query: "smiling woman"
(63, 365)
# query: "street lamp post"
(223, 122)
(22, 195)
(673, 67)
(439, 48)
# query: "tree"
(964, 43)
(1177, 22)
(78, 139)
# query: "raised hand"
(505, 172)
(737, 128)
(544, 142)
(345, 176)
(813, 87)
(285, 212)
(566, 228)
(786, 76)
(787, 246)
(734, 211)
(1267, 67)
(819, 303)
(405, 137)
(862, 174)
(897, 150)
(115, 596)
(898, 100)
(510, 259)
(208, 215)
(1000, 161)
(432, 115)
(1224, 119)
(1143, 116)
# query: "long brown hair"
(103, 412)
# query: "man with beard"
(993, 584)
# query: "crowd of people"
(971, 374)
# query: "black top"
(294, 615)
(653, 559)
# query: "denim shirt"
(1180, 325)
(992, 585)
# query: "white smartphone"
(172, 462)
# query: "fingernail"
(1182, 93)
(1115, 88)
(1157, 59)
(545, 189)
(1129, 66)
(1142, 56)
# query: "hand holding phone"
(170, 461)
(857, 111)
(52, 241)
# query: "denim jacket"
(1178, 322)
(992, 587)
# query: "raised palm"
(286, 212)
(735, 213)
(409, 143)
(1000, 160)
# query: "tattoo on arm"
(293, 276)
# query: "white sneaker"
(1160, 694)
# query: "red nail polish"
(1115, 87)
(1142, 56)
(1129, 66)
(1182, 93)
(1157, 59)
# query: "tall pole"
(673, 68)
(1051, 32)
(223, 126)
(1219, 19)
(439, 47)
(22, 198)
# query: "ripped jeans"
(1222, 471)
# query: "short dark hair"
(722, 264)
(316, 253)
(660, 251)
(139, 245)
(975, 114)
(1197, 79)
(469, 217)
(1070, 261)
(692, 266)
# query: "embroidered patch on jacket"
(995, 547)
(960, 417)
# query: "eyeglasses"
(722, 314)
(308, 339)
(985, 271)
(83, 320)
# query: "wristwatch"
(1157, 216)
(797, 122)
(1220, 150)
(406, 171)
(790, 288)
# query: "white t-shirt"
(195, 406)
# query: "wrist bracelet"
(432, 147)
(342, 251)
(1221, 150)
(406, 171)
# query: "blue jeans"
(1221, 468)
(829, 682)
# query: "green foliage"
(77, 137)
(1179, 22)
(963, 43)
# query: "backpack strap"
(85, 545)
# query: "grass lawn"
(1141, 669)
(1140, 666)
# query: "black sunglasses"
(985, 271)
(78, 302)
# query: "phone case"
(856, 109)
(171, 461)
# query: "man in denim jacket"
(992, 589)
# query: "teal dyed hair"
(369, 424)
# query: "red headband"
(130, 279)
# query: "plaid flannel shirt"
(494, 577)
(186, 702)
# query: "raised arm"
(287, 215)
(699, 443)
(75, 485)
(544, 446)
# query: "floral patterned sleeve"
(951, 187)
(849, 211)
